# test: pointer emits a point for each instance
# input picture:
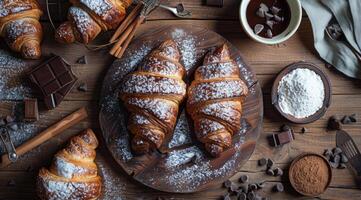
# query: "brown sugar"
(310, 175)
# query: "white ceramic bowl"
(295, 21)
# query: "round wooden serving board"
(181, 165)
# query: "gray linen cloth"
(337, 52)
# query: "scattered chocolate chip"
(13, 126)
(278, 171)
(269, 33)
(270, 172)
(328, 154)
(344, 159)
(336, 159)
(353, 118)
(227, 184)
(336, 150)
(82, 60)
(243, 179)
(346, 120)
(253, 186)
(342, 166)
(242, 196)
(251, 195)
(334, 124)
(9, 119)
(258, 28)
(275, 10)
(180, 8)
(278, 187)
(11, 183)
(260, 13)
(269, 163)
(83, 87)
(270, 23)
(303, 130)
(262, 162)
(333, 164)
(261, 184)
(227, 197)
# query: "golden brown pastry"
(215, 101)
(20, 27)
(87, 18)
(73, 174)
(152, 95)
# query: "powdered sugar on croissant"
(215, 101)
(152, 95)
(73, 174)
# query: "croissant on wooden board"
(20, 27)
(215, 99)
(73, 174)
(88, 18)
(152, 95)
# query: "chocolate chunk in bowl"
(181, 165)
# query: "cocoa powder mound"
(310, 175)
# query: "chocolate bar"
(31, 113)
(217, 3)
(282, 138)
(54, 78)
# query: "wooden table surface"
(267, 61)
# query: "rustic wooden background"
(267, 61)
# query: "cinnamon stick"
(44, 136)
(127, 21)
(122, 38)
(139, 21)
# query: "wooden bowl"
(296, 160)
(326, 83)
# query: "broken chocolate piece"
(31, 112)
(344, 159)
(278, 171)
(303, 130)
(269, 33)
(353, 118)
(82, 60)
(270, 172)
(262, 162)
(328, 154)
(334, 124)
(346, 120)
(269, 163)
(278, 187)
(217, 3)
(258, 28)
(282, 138)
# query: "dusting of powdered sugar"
(207, 126)
(24, 132)
(301, 93)
(181, 134)
(158, 107)
(218, 70)
(67, 169)
(183, 156)
(100, 7)
(187, 47)
(12, 6)
(113, 186)
(17, 28)
(226, 110)
(82, 20)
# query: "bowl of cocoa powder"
(310, 174)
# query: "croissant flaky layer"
(215, 99)
(20, 27)
(152, 95)
(73, 174)
(87, 18)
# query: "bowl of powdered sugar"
(302, 93)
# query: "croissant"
(73, 174)
(87, 18)
(215, 100)
(152, 95)
(20, 27)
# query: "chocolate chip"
(253, 186)
(251, 195)
(269, 163)
(328, 154)
(258, 28)
(275, 10)
(260, 13)
(13, 126)
(278, 171)
(180, 8)
(270, 172)
(344, 158)
(227, 197)
(82, 60)
(11, 183)
(334, 124)
(264, 7)
(278, 187)
(269, 33)
(262, 162)
(242, 196)
(270, 23)
(243, 179)
(285, 127)
(336, 150)
(227, 184)
(303, 130)
(346, 120)
(342, 166)
(9, 119)
(336, 159)
(83, 87)
(333, 164)
(353, 118)
(261, 184)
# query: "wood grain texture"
(267, 61)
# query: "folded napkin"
(338, 53)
